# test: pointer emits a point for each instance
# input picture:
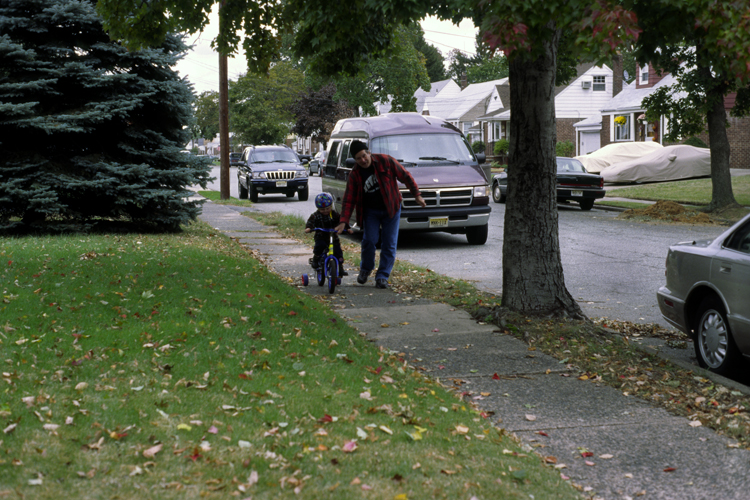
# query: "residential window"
(496, 132)
(644, 74)
(600, 83)
(622, 127)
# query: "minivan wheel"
(714, 345)
(497, 194)
(477, 235)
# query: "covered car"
(669, 163)
(616, 152)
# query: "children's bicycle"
(328, 265)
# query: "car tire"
(243, 190)
(477, 235)
(252, 193)
(586, 203)
(304, 193)
(714, 346)
(497, 194)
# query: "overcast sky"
(201, 64)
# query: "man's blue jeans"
(377, 224)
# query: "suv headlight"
(261, 175)
(480, 191)
(301, 173)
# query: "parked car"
(318, 160)
(449, 174)
(707, 296)
(598, 160)
(271, 169)
(305, 159)
(573, 184)
(235, 159)
(670, 163)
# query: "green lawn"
(177, 366)
(691, 192)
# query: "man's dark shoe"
(362, 278)
(381, 283)
(344, 273)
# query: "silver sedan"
(707, 296)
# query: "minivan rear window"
(423, 148)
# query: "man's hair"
(356, 147)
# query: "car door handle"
(725, 269)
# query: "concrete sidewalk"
(555, 415)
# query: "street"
(612, 267)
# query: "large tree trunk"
(722, 195)
(533, 281)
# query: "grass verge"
(603, 351)
(688, 192)
(215, 197)
(178, 366)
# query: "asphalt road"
(612, 267)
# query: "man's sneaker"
(381, 283)
(363, 275)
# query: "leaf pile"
(669, 211)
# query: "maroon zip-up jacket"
(388, 171)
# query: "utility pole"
(223, 121)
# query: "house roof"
(454, 108)
(421, 95)
(631, 98)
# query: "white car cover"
(667, 164)
(616, 152)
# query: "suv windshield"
(274, 156)
(424, 148)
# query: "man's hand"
(307, 230)
(421, 201)
(340, 228)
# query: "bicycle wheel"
(332, 270)
(320, 273)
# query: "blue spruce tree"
(90, 133)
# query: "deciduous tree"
(706, 45)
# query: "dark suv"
(271, 169)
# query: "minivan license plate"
(576, 193)
(280, 184)
(439, 222)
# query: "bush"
(477, 147)
(696, 142)
(564, 148)
(501, 147)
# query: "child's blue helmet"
(323, 200)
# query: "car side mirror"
(481, 158)
(350, 162)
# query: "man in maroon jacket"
(372, 189)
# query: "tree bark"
(533, 281)
(722, 195)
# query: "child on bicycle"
(327, 218)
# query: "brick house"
(622, 120)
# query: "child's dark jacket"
(325, 221)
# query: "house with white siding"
(583, 97)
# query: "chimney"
(464, 81)
(617, 75)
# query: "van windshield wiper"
(438, 158)
(402, 162)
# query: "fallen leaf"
(386, 430)
(151, 452)
(695, 423)
(530, 418)
(9, 429)
(184, 427)
(81, 386)
(349, 446)
(495, 377)
(462, 429)
(606, 456)
(670, 469)
(213, 430)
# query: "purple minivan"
(449, 174)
